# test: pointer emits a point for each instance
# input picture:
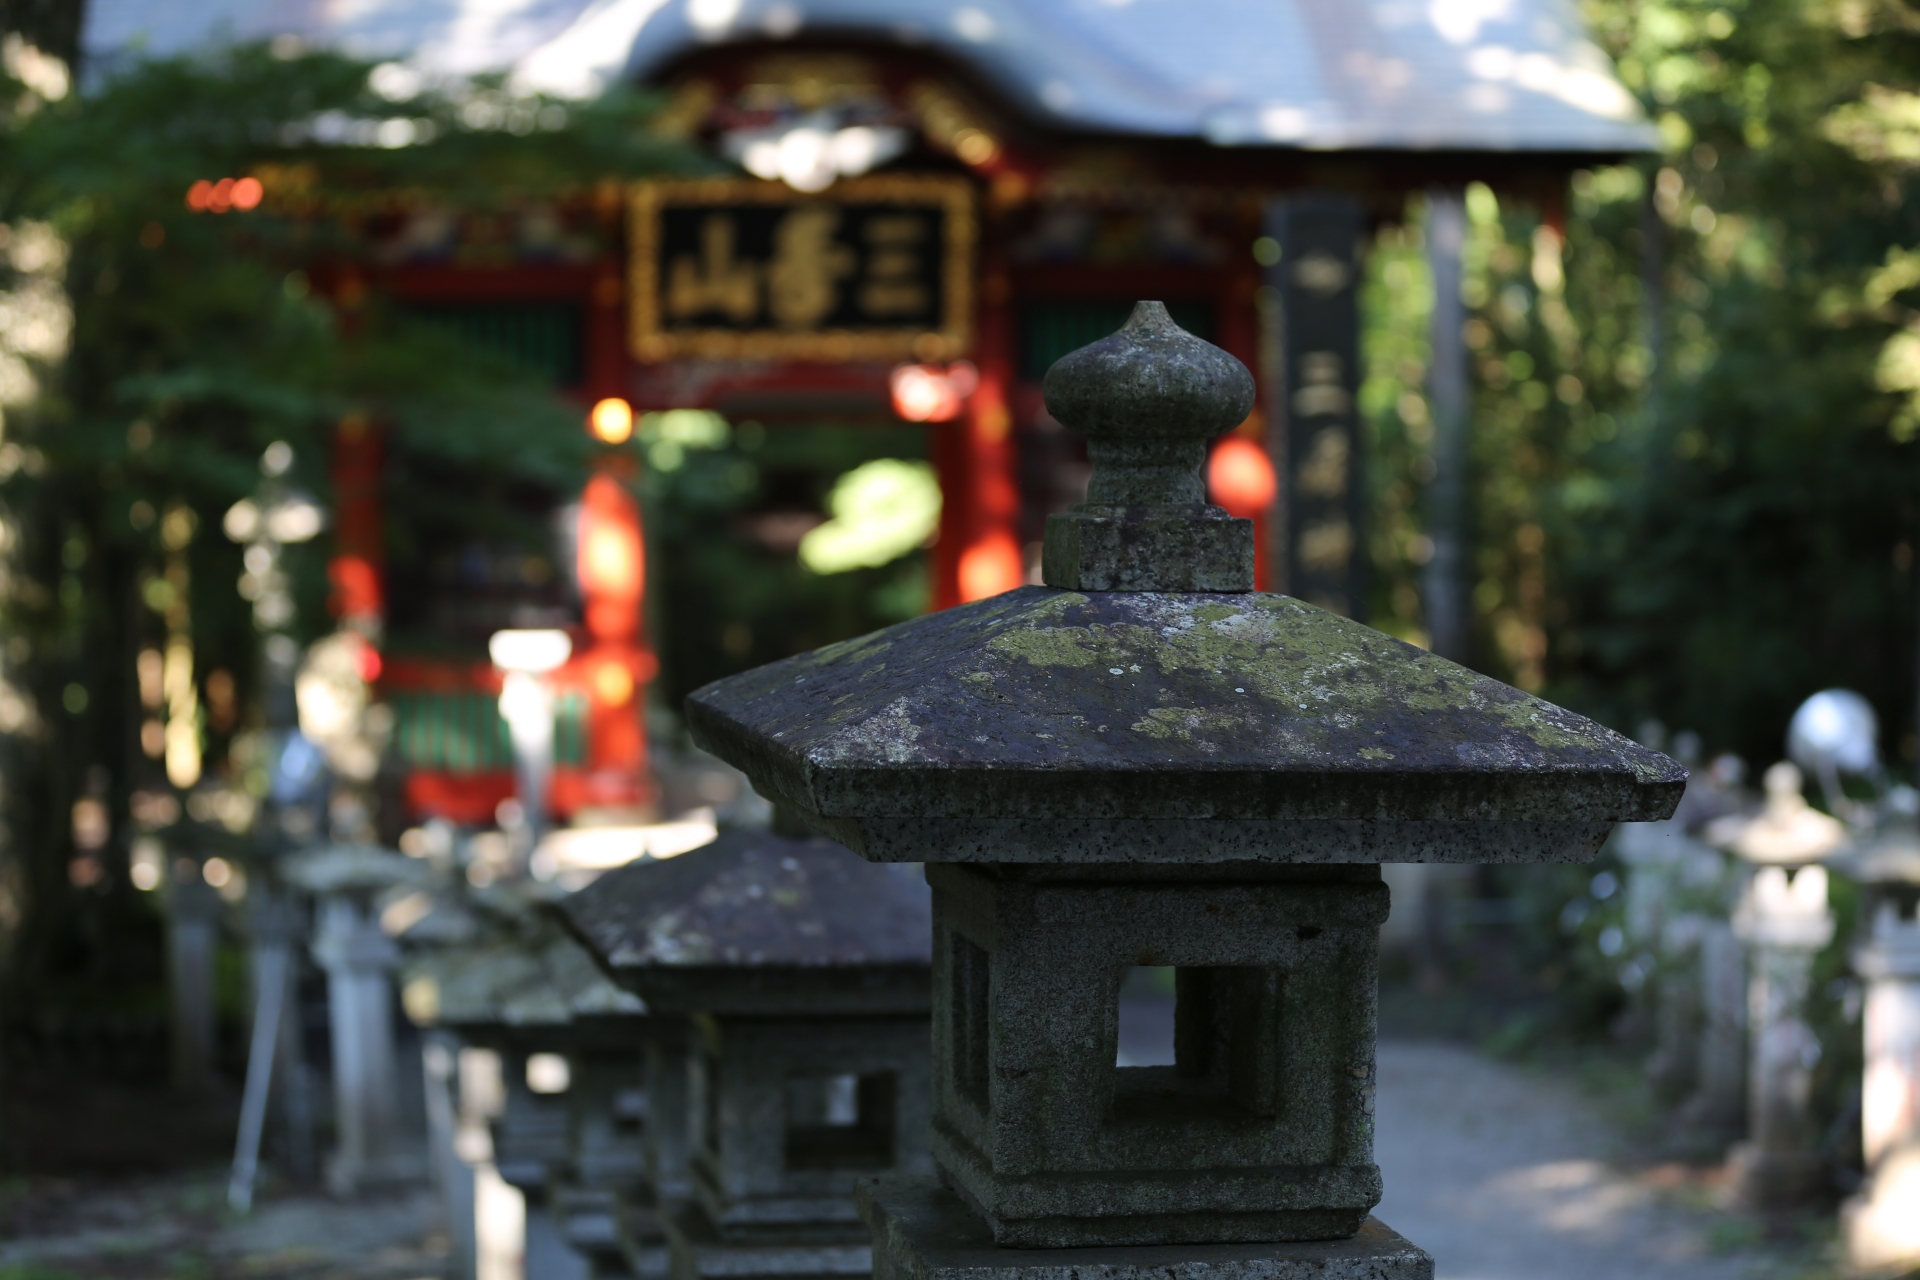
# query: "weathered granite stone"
(1263, 1128)
(922, 1232)
(1118, 727)
(760, 924)
(1146, 524)
(1135, 772)
(804, 973)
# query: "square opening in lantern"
(1196, 1040)
(840, 1121)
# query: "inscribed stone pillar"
(803, 972)
(1145, 762)
(1716, 1109)
(1318, 281)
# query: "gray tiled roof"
(1476, 75)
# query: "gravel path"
(1502, 1175)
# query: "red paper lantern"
(1240, 477)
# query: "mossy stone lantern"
(1145, 762)
(804, 973)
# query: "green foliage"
(1695, 503)
(722, 519)
(1694, 459)
(173, 346)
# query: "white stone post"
(1785, 923)
(1882, 1223)
(526, 660)
(452, 1176)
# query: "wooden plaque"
(869, 269)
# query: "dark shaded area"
(63, 1122)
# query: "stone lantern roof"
(1891, 855)
(1787, 831)
(1148, 684)
(757, 923)
(545, 980)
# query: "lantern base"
(1773, 1181)
(923, 1230)
(700, 1252)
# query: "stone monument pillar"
(371, 1146)
(804, 973)
(1144, 762)
(1882, 1222)
(1783, 919)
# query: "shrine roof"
(1450, 75)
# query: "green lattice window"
(462, 732)
(544, 336)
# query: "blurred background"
(405, 405)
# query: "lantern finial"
(1148, 399)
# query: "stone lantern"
(1882, 1222)
(372, 1147)
(571, 1134)
(1783, 919)
(804, 973)
(1144, 762)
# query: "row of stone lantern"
(801, 973)
(1142, 762)
(766, 1043)
(1742, 1010)
(569, 1128)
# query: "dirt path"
(165, 1228)
(1502, 1175)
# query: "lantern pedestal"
(923, 1231)
(1254, 1133)
(373, 1148)
(1785, 924)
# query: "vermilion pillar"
(979, 552)
(359, 598)
(614, 665)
